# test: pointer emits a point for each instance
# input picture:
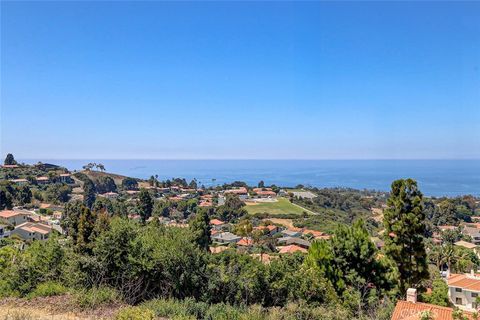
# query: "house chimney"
(412, 295)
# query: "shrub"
(221, 311)
(47, 289)
(135, 313)
(95, 297)
(166, 307)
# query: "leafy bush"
(47, 289)
(95, 297)
(135, 313)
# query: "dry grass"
(52, 308)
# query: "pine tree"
(404, 221)
(9, 160)
(200, 227)
(86, 226)
(145, 204)
(89, 193)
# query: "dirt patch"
(52, 308)
(285, 222)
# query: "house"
(10, 166)
(226, 237)
(14, 218)
(241, 192)
(270, 229)
(109, 195)
(463, 290)
(294, 240)
(42, 180)
(245, 242)
(264, 192)
(473, 232)
(33, 231)
(291, 249)
(20, 182)
(217, 224)
(413, 310)
(467, 245)
(291, 232)
(65, 178)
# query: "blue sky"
(230, 80)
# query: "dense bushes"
(133, 262)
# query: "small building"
(264, 192)
(291, 249)
(217, 224)
(20, 182)
(245, 242)
(9, 166)
(473, 232)
(109, 195)
(65, 178)
(294, 240)
(270, 229)
(226, 237)
(463, 290)
(14, 217)
(43, 180)
(32, 231)
(241, 192)
(291, 233)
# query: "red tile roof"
(245, 242)
(464, 281)
(412, 311)
(291, 249)
(10, 213)
(216, 222)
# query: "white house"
(13, 217)
(463, 290)
(32, 231)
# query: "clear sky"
(192, 80)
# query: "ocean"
(435, 177)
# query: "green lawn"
(282, 206)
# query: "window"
(474, 294)
(458, 301)
(458, 289)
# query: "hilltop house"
(14, 217)
(226, 237)
(463, 290)
(33, 231)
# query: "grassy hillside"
(282, 206)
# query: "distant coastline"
(435, 177)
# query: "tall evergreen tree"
(9, 159)
(145, 204)
(200, 227)
(404, 221)
(89, 193)
(86, 227)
